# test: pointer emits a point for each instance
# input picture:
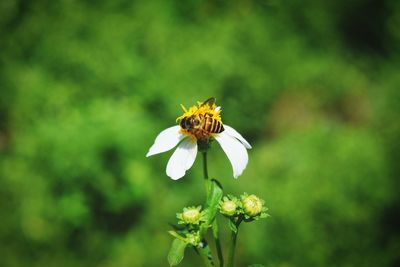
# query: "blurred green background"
(87, 85)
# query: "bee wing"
(209, 102)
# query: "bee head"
(190, 122)
(184, 123)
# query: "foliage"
(86, 86)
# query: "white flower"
(233, 144)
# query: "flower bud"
(190, 215)
(228, 207)
(193, 238)
(252, 205)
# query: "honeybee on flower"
(198, 124)
(201, 125)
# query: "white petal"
(182, 159)
(235, 150)
(232, 132)
(217, 109)
(166, 140)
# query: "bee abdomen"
(213, 126)
(220, 128)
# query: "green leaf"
(214, 197)
(176, 252)
(177, 236)
(215, 228)
(256, 265)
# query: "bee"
(201, 125)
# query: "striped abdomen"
(212, 125)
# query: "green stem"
(205, 171)
(232, 248)
(215, 224)
(218, 243)
(231, 256)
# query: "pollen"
(206, 110)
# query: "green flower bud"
(190, 215)
(228, 207)
(252, 205)
(193, 238)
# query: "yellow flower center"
(199, 112)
